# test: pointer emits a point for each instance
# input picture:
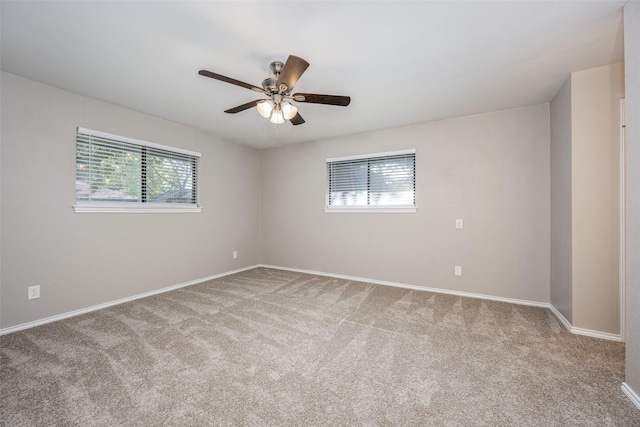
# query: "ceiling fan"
(278, 89)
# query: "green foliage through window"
(111, 169)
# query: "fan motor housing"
(270, 85)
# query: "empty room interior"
(320, 213)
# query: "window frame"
(370, 208)
(141, 206)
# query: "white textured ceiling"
(401, 62)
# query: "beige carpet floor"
(275, 348)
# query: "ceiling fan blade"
(291, 72)
(297, 120)
(243, 107)
(315, 98)
(229, 80)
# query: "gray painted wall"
(632, 88)
(585, 203)
(561, 253)
(81, 260)
(491, 170)
(496, 171)
(595, 169)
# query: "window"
(378, 182)
(116, 174)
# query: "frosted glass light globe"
(289, 111)
(265, 108)
(276, 116)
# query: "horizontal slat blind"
(110, 170)
(377, 181)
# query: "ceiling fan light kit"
(277, 107)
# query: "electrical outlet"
(458, 223)
(457, 271)
(33, 292)
(235, 254)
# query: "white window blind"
(385, 180)
(118, 172)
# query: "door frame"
(622, 263)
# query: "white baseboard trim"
(585, 332)
(561, 318)
(57, 317)
(412, 287)
(565, 322)
(631, 394)
(597, 334)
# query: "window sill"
(135, 209)
(367, 209)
